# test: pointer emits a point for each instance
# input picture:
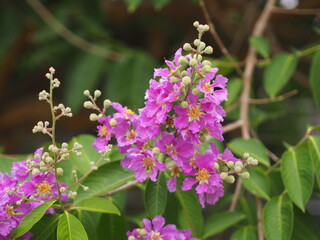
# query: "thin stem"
(296, 11)
(259, 216)
(72, 38)
(232, 126)
(275, 99)
(236, 195)
(216, 37)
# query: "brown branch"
(250, 64)
(275, 99)
(72, 38)
(216, 37)
(232, 126)
(259, 216)
(126, 186)
(296, 11)
(236, 195)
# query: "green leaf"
(248, 207)
(133, 4)
(83, 75)
(89, 154)
(112, 227)
(70, 228)
(278, 218)
(155, 196)
(108, 177)
(31, 219)
(314, 151)
(276, 183)
(297, 175)
(219, 222)
(96, 204)
(315, 78)
(43, 229)
(89, 221)
(261, 45)
(234, 88)
(278, 72)
(6, 163)
(159, 4)
(190, 212)
(258, 183)
(305, 226)
(252, 146)
(245, 233)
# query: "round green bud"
(113, 122)
(64, 145)
(186, 80)
(183, 60)
(106, 103)
(193, 62)
(195, 91)
(238, 169)
(184, 104)
(206, 68)
(132, 238)
(255, 162)
(198, 57)
(97, 93)
(208, 50)
(174, 79)
(245, 175)
(223, 175)
(216, 165)
(230, 179)
(87, 105)
(246, 155)
(86, 93)
(156, 150)
(201, 46)
(230, 164)
(48, 75)
(196, 24)
(93, 117)
(239, 163)
(196, 42)
(187, 47)
(224, 169)
(59, 172)
(204, 28)
(35, 171)
(206, 62)
(184, 73)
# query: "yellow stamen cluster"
(148, 162)
(194, 113)
(203, 176)
(44, 187)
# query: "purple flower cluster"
(24, 190)
(182, 106)
(156, 230)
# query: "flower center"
(148, 162)
(203, 175)
(175, 170)
(103, 132)
(207, 87)
(169, 122)
(129, 111)
(44, 187)
(171, 148)
(194, 113)
(9, 210)
(130, 135)
(156, 236)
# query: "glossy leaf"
(315, 78)
(96, 204)
(314, 151)
(90, 222)
(83, 75)
(70, 228)
(108, 177)
(31, 219)
(248, 207)
(305, 226)
(155, 196)
(112, 227)
(221, 221)
(190, 212)
(245, 233)
(43, 229)
(297, 175)
(278, 218)
(278, 72)
(6, 163)
(258, 183)
(234, 88)
(261, 45)
(89, 154)
(252, 146)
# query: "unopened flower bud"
(113, 122)
(223, 175)
(184, 104)
(187, 47)
(63, 189)
(224, 169)
(35, 171)
(195, 91)
(246, 155)
(197, 57)
(230, 164)
(132, 238)
(93, 117)
(206, 62)
(59, 172)
(239, 163)
(64, 145)
(183, 60)
(238, 169)
(216, 165)
(174, 79)
(230, 179)
(208, 50)
(85, 188)
(86, 93)
(18, 202)
(255, 162)
(186, 80)
(193, 62)
(184, 73)
(206, 68)
(156, 150)
(203, 28)
(97, 93)
(196, 42)
(48, 75)
(201, 46)
(52, 70)
(245, 175)
(106, 103)
(196, 24)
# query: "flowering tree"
(171, 149)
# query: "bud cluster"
(91, 104)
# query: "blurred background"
(113, 45)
